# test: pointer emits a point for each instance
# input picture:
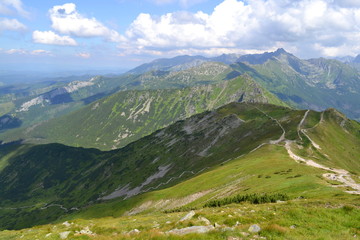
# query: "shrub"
(251, 198)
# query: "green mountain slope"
(257, 144)
(33, 104)
(126, 116)
(315, 83)
(43, 101)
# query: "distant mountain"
(260, 58)
(345, 59)
(182, 63)
(315, 83)
(169, 64)
(264, 139)
(41, 101)
(356, 59)
(226, 58)
(126, 116)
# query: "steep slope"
(261, 142)
(31, 104)
(316, 83)
(129, 115)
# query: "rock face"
(254, 228)
(64, 235)
(187, 216)
(193, 229)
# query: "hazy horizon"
(83, 35)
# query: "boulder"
(187, 216)
(193, 229)
(64, 235)
(66, 224)
(134, 231)
(254, 228)
(86, 231)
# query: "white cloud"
(66, 20)
(10, 7)
(41, 52)
(16, 51)
(11, 24)
(49, 37)
(83, 55)
(28, 52)
(255, 24)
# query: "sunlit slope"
(273, 154)
(126, 116)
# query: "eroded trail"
(301, 123)
(339, 175)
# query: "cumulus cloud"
(28, 52)
(11, 24)
(66, 20)
(49, 37)
(10, 7)
(83, 55)
(326, 26)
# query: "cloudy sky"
(57, 34)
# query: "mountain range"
(185, 148)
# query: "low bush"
(251, 198)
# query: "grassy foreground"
(316, 210)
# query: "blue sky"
(111, 34)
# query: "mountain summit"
(261, 58)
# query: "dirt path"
(301, 123)
(44, 207)
(282, 137)
(212, 104)
(339, 175)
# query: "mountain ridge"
(116, 121)
(173, 154)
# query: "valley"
(166, 150)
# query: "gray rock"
(134, 231)
(187, 216)
(292, 226)
(64, 235)
(86, 231)
(193, 229)
(254, 228)
(66, 224)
